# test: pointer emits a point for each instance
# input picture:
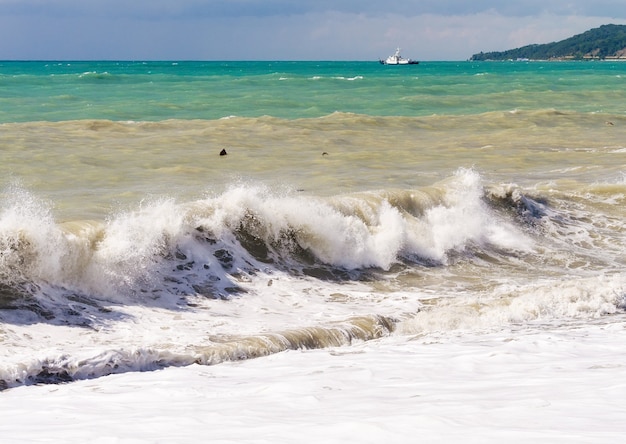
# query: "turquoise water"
(153, 91)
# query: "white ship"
(397, 59)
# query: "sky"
(288, 29)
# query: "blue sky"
(288, 29)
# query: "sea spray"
(212, 243)
(541, 303)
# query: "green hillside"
(605, 42)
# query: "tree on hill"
(605, 41)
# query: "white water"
(505, 304)
(155, 287)
(542, 383)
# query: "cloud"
(288, 29)
(177, 9)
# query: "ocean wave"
(244, 229)
(544, 301)
(94, 75)
(348, 78)
(214, 246)
(66, 368)
(222, 262)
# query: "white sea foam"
(464, 219)
(349, 78)
(137, 251)
(135, 268)
(31, 243)
(549, 384)
(544, 302)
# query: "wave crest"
(66, 368)
(166, 246)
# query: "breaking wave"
(198, 246)
(212, 249)
(68, 368)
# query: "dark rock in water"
(223, 152)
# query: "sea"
(270, 251)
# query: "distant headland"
(608, 42)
